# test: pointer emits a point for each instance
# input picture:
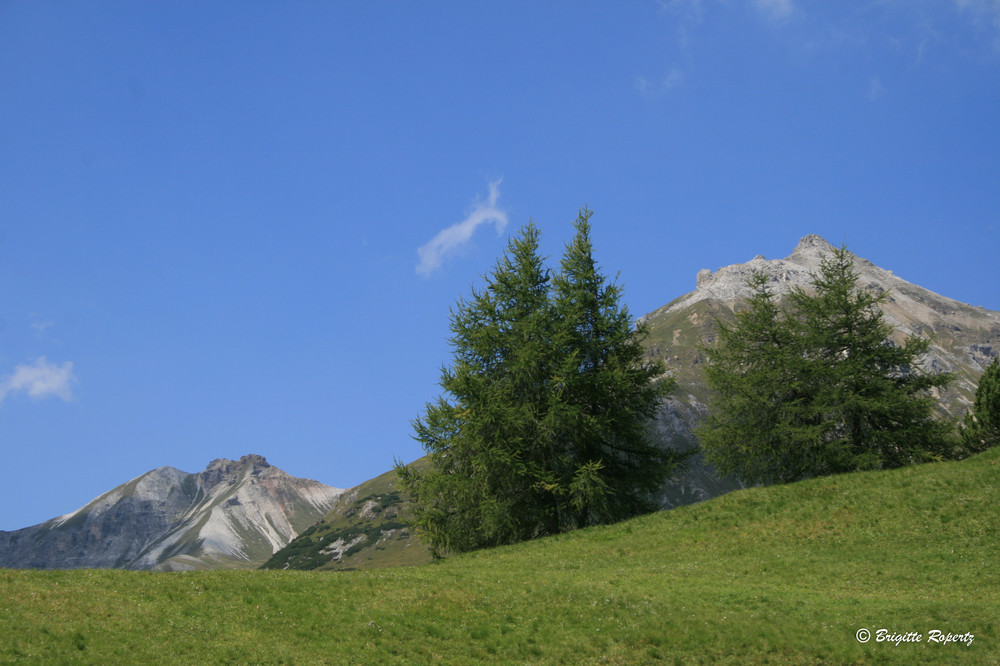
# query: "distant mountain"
(234, 514)
(964, 339)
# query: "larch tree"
(542, 425)
(609, 394)
(818, 387)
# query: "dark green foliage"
(755, 428)
(301, 553)
(981, 428)
(608, 394)
(543, 429)
(818, 387)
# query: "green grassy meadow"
(786, 574)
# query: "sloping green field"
(786, 574)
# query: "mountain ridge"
(231, 514)
(963, 341)
(963, 338)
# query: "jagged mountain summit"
(964, 338)
(963, 341)
(234, 514)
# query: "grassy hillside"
(785, 574)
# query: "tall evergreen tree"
(485, 443)
(757, 428)
(542, 429)
(818, 387)
(868, 392)
(981, 428)
(608, 395)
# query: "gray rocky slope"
(233, 514)
(963, 341)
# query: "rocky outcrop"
(232, 514)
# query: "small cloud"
(454, 237)
(40, 326)
(983, 11)
(775, 10)
(661, 86)
(40, 380)
(689, 8)
(875, 89)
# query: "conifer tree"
(981, 428)
(757, 428)
(485, 443)
(608, 394)
(868, 392)
(542, 426)
(818, 387)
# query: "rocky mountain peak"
(232, 514)
(223, 469)
(963, 338)
(729, 284)
(225, 465)
(812, 244)
(255, 461)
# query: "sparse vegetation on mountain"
(549, 397)
(368, 527)
(981, 428)
(818, 387)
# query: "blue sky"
(238, 227)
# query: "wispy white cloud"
(452, 238)
(983, 10)
(657, 87)
(40, 380)
(688, 8)
(775, 10)
(986, 7)
(686, 15)
(686, 18)
(918, 29)
(875, 88)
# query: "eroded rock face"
(232, 514)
